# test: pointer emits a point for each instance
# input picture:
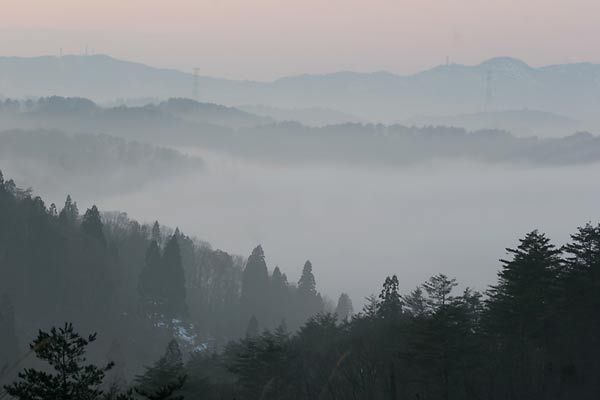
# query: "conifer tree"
(91, 224)
(69, 213)
(371, 306)
(255, 285)
(149, 284)
(416, 303)
(526, 286)
(64, 351)
(390, 301)
(279, 284)
(279, 298)
(344, 309)
(438, 289)
(173, 278)
(165, 378)
(309, 300)
(307, 286)
(582, 270)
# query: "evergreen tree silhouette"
(173, 278)
(91, 224)
(64, 351)
(165, 378)
(255, 285)
(344, 309)
(390, 301)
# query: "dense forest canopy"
(232, 328)
(98, 305)
(145, 282)
(317, 200)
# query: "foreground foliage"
(535, 334)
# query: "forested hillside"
(43, 158)
(137, 284)
(235, 329)
(308, 200)
(187, 123)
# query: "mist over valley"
(299, 200)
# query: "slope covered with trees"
(234, 329)
(44, 158)
(140, 285)
(184, 122)
(533, 335)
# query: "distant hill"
(182, 122)
(312, 116)
(94, 164)
(572, 90)
(519, 122)
(217, 114)
(160, 124)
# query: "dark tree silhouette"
(164, 378)
(91, 224)
(390, 301)
(173, 278)
(344, 309)
(64, 350)
(255, 285)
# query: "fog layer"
(358, 225)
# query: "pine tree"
(165, 377)
(279, 296)
(526, 286)
(370, 308)
(390, 301)
(64, 350)
(69, 213)
(255, 285)
(582, 272)
(520, 308)
(173, 278)
(344, 309)
(416, 303)
(149, 283)
(309, 300)
(307, 286)
(438, 290)
(92, 225)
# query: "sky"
(268, 39)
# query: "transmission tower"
(196, 83)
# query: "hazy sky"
(266, 39)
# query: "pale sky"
(267, 39)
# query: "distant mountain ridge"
(497, 84)
(184, 123)
(522, 123)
